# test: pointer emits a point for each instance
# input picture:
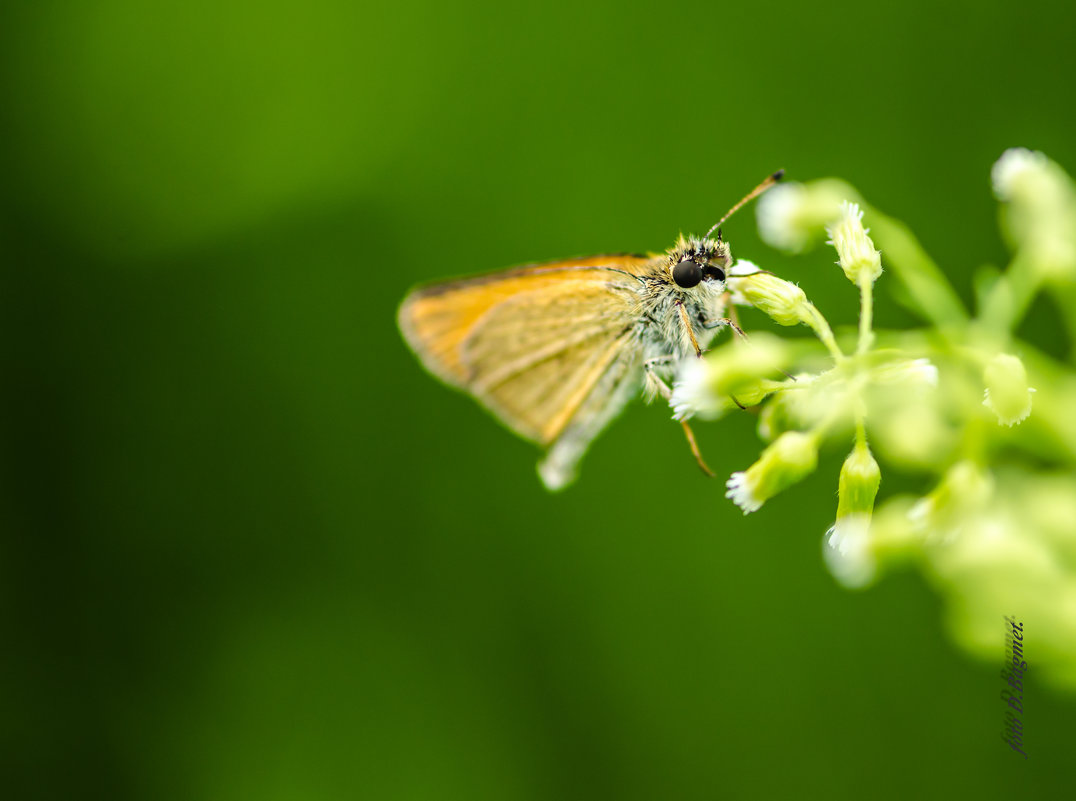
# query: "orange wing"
(531, 344)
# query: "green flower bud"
(846, 546)
(790, 458)
(1007, 394)
(858, 484)
(858, 257)
(1029, 178)
(785, 302)
(964, 490)
(1040, 211)
(856, 548)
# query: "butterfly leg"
(657, 361)
(695, 450)
(730, 323)
(733, 314)
(663, 389)
(654, 386)
(732, 320)
(688, 329)
(734, 324)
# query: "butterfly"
(556, 351)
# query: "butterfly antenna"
(758, 190)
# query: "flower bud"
(858, 257)
(856, 547)
(790, 458)
(785, 302)
(792, 215)
(1040, 211)
(965, 490)
(1007, 394)
(1027, 177)
(858, 484)
(846, 546)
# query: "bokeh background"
(250, 550)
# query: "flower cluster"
(982, 415)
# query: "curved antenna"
(758, 190)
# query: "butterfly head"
(694, 261)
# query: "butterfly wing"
(548, 349)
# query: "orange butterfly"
(556, 350)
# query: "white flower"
(858, 257)
(780, 217)
(738, 372)
(744, 267)
(742, 492)
(790, 457)
(913, 371)
(791, 216)
(1017, 172)
(846, 548)
(923, 371)
(692, 394)
(1040, 211)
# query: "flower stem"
(1009, 299)
(866, 314)
(861, 430)
(822, 330)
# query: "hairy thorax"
(670, 317)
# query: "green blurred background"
(251, 550)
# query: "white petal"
(1014, 164)
(741, 493)
(778, 215)
(846, 549)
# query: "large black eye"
(715, 273)
(687, 274)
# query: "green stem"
(866, 314)
(818, 324)
(861, 430)
(1010, 297)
